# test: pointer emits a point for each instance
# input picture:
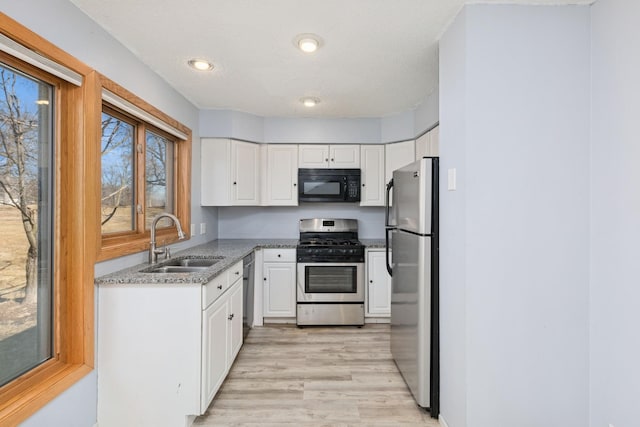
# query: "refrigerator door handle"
(387, 203)
(387, 247)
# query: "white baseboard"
(279, 320)
(377, 320)
(442, 421)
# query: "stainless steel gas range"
(330, 288)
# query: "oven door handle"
(387, 248)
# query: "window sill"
(27, 394)
(113, 247)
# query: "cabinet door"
(245, 173)
(279, 289)
(398, 155)
(282, 175)
(378, 286)
(423, 146)
(435, 141)
(344, 156)
(235, 320)
(215, 174)
(313, 156)
(215, 349)
(373, 186)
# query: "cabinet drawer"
(216, 287)
(279, 255)
(235, 273)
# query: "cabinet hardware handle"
(363, 185)
(219, 286)
(279, 255)
(370, 281)
(332, 160)
(231, 316)
(265, 279)
(294, 184)
(237, 273)
(326, 160)
(234, 183)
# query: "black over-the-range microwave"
(329, 185)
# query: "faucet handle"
(167, 252)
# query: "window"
(145, 170)
(48, 221)
(117, 152)
(26, 192)
(120, 201)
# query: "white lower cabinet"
(378, 285)
(164, 349)
(216, 336)
(279, 283)
(221, 340)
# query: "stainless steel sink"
(183, 265)
(192, 262)
(175, 269)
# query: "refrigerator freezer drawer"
(411, 312)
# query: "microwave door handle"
(387, 208)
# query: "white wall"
(521, 146)
(453, 214)
(64, 25)
(615, 215)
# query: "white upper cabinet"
(398, 155)
(230, 172)
(282, 175)
(341, 156)
(373, 185)
(344, 156)
(427, 144)
(313, 156)
(435, 141)
(245, 173)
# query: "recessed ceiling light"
(200, 64)
(310, 102)
(308, 43)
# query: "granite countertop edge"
(229, 250)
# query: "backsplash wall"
(265, 222)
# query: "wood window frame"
(120, 244)
(78, 242)
(75, 246)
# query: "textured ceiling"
(379, 57)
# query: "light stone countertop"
(373, 243)
(230, 250)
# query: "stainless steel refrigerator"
(412, 261)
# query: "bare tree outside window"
(26, 159)
(118, 191)
(159, 177)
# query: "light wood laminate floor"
(342, 376)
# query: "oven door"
(330, 282)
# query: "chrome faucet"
(153, 252)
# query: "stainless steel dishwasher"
(248, 272)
